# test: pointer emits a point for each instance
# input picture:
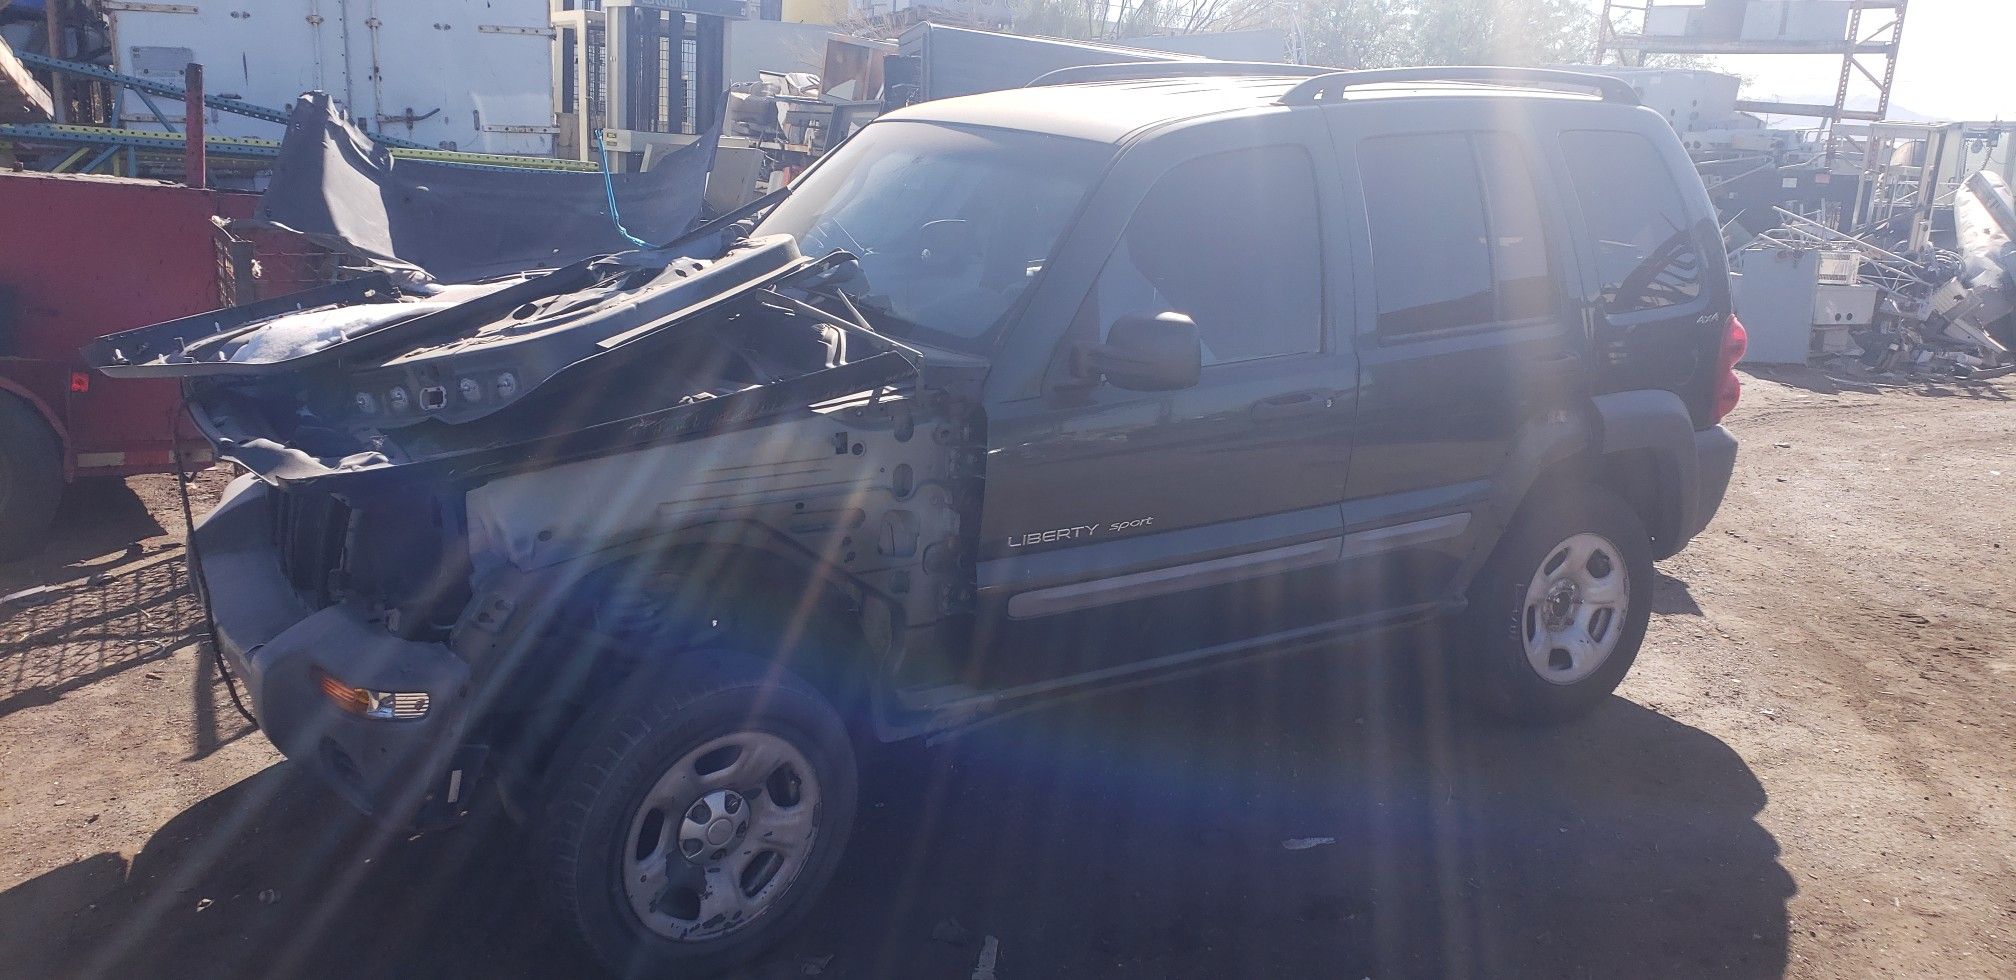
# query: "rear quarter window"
(1646, 254)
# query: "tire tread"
(592, 757)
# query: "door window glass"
(1231, 241)
(1457, 235)
(1522, 277)
(1430, 264)
(1646, 257)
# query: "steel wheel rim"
(720, 836)
(1575, 608)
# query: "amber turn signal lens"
(366, 703)
(354, 700)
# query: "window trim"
(1467, 330)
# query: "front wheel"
(696, 814)
(1559, 612)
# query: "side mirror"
(1143, 353)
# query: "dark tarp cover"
(343, 190)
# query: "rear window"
(1646, 256)
(1457, 237)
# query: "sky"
(1958, 62)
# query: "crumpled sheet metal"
(454, 223)
(1985, 224)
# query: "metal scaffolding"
(94, 147)
(1870, 34)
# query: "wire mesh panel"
(665, 83)
(689, 118)
(598, 77)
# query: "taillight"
(1728, 387)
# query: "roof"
(1109, 111)
(1105, 112)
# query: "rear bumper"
(1715, 461)
(394, 770)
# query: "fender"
(1657, 420)
(1542, 443)
(512, 608)
(1624, 421)
(49, 418)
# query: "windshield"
(950, 223)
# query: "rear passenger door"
(1466, 335)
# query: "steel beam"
(1807, 109)
(242, 147)
(148, 87)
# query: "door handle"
(1293, 405)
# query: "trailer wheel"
(31, 478)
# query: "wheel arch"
(1544, 445)
(1646, 455)
(43, 410)
(1637, 444)
(792, 609)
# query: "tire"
(649, 769)
(1536, 650)
(31, 478)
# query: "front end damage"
(466, 512)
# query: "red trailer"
(84, 256)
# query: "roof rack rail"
(1133, 70)
(1333, 84)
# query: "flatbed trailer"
(81, 256)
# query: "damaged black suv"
(1138, 370)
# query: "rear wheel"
(31, 478)
(696, 814)
(1558, 614)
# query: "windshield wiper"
(723, 222)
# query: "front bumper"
(400, 771)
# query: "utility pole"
(196, 168)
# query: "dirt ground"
(1809, 773)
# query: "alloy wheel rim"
(1576, 602)
(720, 837)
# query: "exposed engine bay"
(362, 376)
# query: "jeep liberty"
(1137, 370)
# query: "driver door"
(1120, 526)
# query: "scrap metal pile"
(1933, 311)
